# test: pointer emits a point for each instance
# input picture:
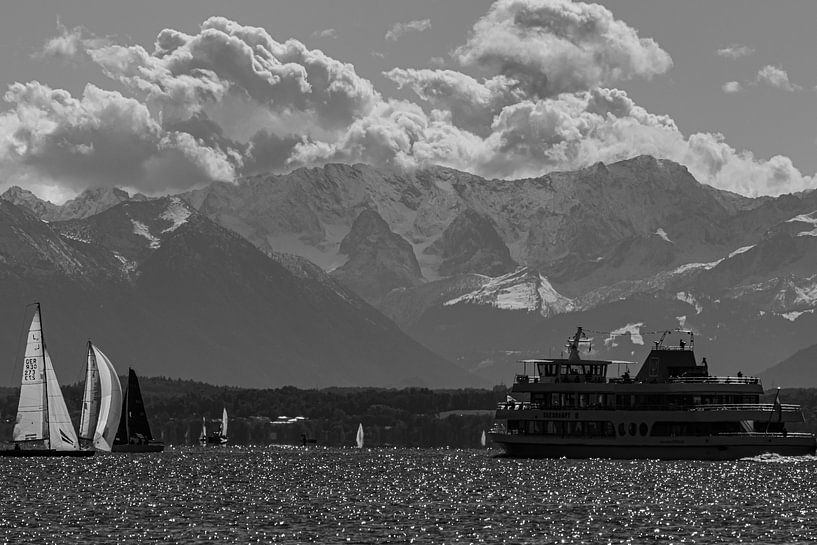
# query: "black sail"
(133, 426)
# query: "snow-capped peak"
(520, 290)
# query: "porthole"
(632, 428)
(642, 429)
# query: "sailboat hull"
(150, 447)
(25, 453)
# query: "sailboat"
(101, 402)
(203, 436)
(218, 437)
(43, 426)
(359, 438)
(483, 440)
(133, 434)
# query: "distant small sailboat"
(482, 439)
(133, 434)
(101, 403)
(359, 437)
(203, 436)
(43, 426)
(218, 437)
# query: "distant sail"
(90, 398)
(133, 424)
(223, 433)
(482, 439)
(203, 436)
(31, 423)
(110, 402)
(61, 432)
(359, 437)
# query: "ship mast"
(573, 344)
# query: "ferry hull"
(520, 447)
(151, 447)
(25, 453)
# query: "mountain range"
(164, 289)
(483, 272)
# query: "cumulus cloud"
(100, 138)
(327, 33)
(398, 30)
(534, 91)
(776, 77)
(731, 87)
(735, 51)
(556, 46)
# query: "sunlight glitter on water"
(323, 495)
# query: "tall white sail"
(224, 423)
(60, 429)
(110, 402)
(483, 439)
(359, 437)
(31, 423)
(203, 436)
(91, 398)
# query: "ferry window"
(582, 400)
(642, 429)
(654, 367)
(632, 428)
(609, 429)
(621, 429)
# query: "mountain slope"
(178, 295)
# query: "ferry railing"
(770, 433)
(765, 407)
(715, 380)
(761, 407)
(536, 379)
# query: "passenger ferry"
(672, 409)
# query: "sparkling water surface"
(330, 495)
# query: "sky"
(160, 97)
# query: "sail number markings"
(30, 369)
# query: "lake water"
(328, 495)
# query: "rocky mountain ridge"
(620, 236)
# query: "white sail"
(31, 423)
(90, 399)
(60, 429)
(482, 439)
(203, 436)
(224, 423)
(110, 402)
(359, 437)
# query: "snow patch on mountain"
(663, 234)
(692, 266)
(74, 236)
(634, 330)
(806, 218)
(792, 316)
(142, 230)
(682, 320)
(689, 299)
(519, 290)
(176, 213)
(741, 250)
